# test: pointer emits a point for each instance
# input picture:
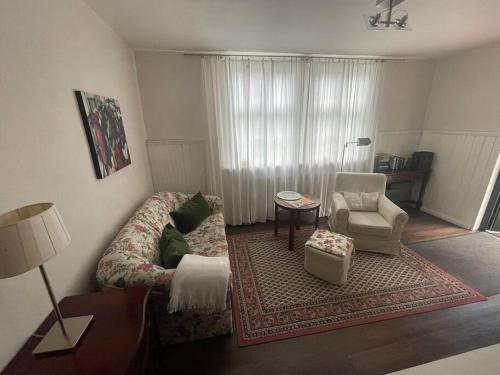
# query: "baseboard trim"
(445, 217)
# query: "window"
(281, 124)
(284, 112)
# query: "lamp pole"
(389, 15)
(53, 300)
(343, 153)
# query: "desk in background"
(406, 177)
(417, 180)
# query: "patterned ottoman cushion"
(331, 243)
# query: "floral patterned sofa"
(133, 259)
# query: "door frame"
(493, 207)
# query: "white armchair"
(378, 231)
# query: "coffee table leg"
(317, 218)
(275, 220)
(291, 235)
(297, 220)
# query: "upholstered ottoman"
(329, 256)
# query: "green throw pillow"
(191, 213)
(172, 247)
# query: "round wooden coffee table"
(295, 214)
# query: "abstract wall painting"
(103, 124)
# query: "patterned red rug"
(274, 298)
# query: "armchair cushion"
(369, 223)
(360, 182)
(361, 201)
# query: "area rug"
(274, 298)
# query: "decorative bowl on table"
(289, 195)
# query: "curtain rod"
(312, 55)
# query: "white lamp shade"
(29, 236)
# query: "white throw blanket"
(200, 283)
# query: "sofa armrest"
(215, 203)
(393, 214)
(116, 272)
(340, 213)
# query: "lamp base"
(55, 340)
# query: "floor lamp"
(29, 236)
(359, 142)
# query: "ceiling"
(300, 26)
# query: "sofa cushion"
(209, 238)
(172, 247)
(191, 213)
(369, 223)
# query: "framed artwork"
(103, 124)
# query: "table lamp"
(29, 236)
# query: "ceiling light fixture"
(388, 17)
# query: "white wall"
(172, 95)
(174, 109)
(176, 122)
(462, 127)
(402, 105)
(47, 49)
(465, 92)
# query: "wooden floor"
(424, 227)
(420, 227)
(375, 348)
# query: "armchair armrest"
(340, 213)
(392, 214)
(215, 203)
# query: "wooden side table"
(116, 342)
(294, 214)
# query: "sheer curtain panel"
(280, 124)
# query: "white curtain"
(280, 124)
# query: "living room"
(279, 113)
